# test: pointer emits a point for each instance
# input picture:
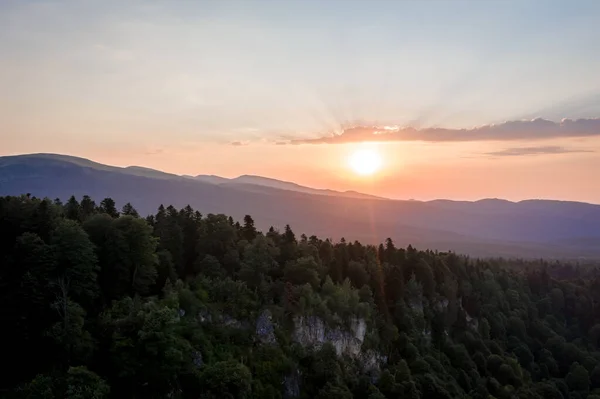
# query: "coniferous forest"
(101, 302)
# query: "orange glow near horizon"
(409, 170)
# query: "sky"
(461, 99)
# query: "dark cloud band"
(536, 129)
(524, 151)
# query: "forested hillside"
(98, 302)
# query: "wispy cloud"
(154, 151)
(524, 151)
(578, 106)
(536, 129)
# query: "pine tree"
(129, 210)
(109, 207)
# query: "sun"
(365, 162)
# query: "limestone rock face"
(472, 322)
(291, 385)
(312, 331)
(265, 328)
(197, 359)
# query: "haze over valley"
(488, 227)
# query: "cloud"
(536, 129)
(586, 104)
(524, 151)
(238, 143)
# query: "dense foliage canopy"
(101, 303)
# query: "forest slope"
(101, 303)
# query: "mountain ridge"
(533, 228)
(283, 185)
(245, 178)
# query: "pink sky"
(171, 85)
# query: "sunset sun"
(365, 162)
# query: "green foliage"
(259, 260)
(83, 384)
(357, 273)
(77, 383)
(302, 271)
(145, 346)
(75, 262)
(331, 391)
(98, 303)
(129, 210)
(108, 207)
(69, 333)
(578, 378)
(127, 255)
(87, 208)
(228, 379)
(210, 267)
(41, 387)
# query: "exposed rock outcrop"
(472, 322)
(291, 385)
(312, 331)
(197, 359)
(265, 330)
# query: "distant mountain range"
(489, 227)
(251, 180)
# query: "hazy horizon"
(342, 189)
(460, 100)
